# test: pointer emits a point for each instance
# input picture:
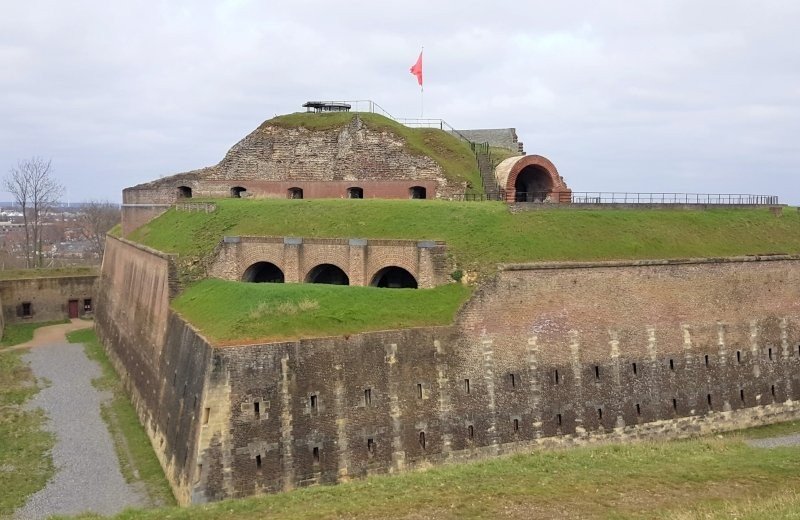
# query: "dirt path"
(52, 334)
(88, 476)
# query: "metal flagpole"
(422, 90)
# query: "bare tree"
(96, 219)
(35, 190)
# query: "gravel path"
(87, 475)
(776, 442)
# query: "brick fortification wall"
(48, 297)
(324, 163)
(543, 355)
(360, 259)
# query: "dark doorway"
(73, 309)
(184, 192)
(393, 277)
(295, 193)
(355, 193)
(263, 272)
(236, 192)
(533, 184)
(329, 274)
(417, 192)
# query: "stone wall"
(542, 355)
(47, 299)
(160, 360)
(545, 355)
(323, 163)
(360, 259)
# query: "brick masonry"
(359, 259)
(542, 355)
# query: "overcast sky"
(661, 95)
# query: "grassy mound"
(240, 312)
(452, 154)
(480, 235)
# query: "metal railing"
(476, 197)
(201, 207)
(615, 197)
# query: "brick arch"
(259, 254)
(508, 172)
(316, 254)
(375, 268)
(310, 266)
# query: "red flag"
(417, 69)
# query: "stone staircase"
(486, 170)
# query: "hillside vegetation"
(452, 154)
(236, 312)
(708, 478)
(481, 234)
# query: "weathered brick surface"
(544, 355)
(360, 260)
(49, 297)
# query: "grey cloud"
(653, 96)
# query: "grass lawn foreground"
(710, 477)
(26, 463)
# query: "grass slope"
(25, 460)
(712, 477)
(18, 333)
(236, 312)
(137, 459)
(480, 235)
(452, 154)
(55, 272)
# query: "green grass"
(701, 478)
(25, 460)
(236, 311)
(480, 235)
(137, 459)
(452, 154)
(18, 333)
(55, 272)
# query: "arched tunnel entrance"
(533, 184)
(263, 272)
(328, 274)
(394, 277)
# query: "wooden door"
(73, 309)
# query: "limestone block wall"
(542, 355)
(48, 298)
(324, 163)
(545, 355)
(360, 259)
(160, 361)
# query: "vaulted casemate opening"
(394, 277)
(533, 184)
(263, 272)
(328, 274)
